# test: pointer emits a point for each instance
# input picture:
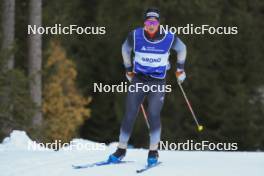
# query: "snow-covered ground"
(17, 160)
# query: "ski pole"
(145, 115)
(199, 127)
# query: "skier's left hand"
(129, 76)
(180, 75)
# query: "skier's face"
(151, 25)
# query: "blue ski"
(101, 163)
(148, 167)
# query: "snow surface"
(17, 160)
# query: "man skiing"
(151, 48)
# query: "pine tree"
(17, 110)
(63, 107)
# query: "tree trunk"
(8, 32)
(8, 27)
(35, 58)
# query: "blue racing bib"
(151, 58)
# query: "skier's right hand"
(129, 76)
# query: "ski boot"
(117, 156)
(153, 156)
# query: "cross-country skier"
(151, 49)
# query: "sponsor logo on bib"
(150, 60)
(143, 48)
(149, 48)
